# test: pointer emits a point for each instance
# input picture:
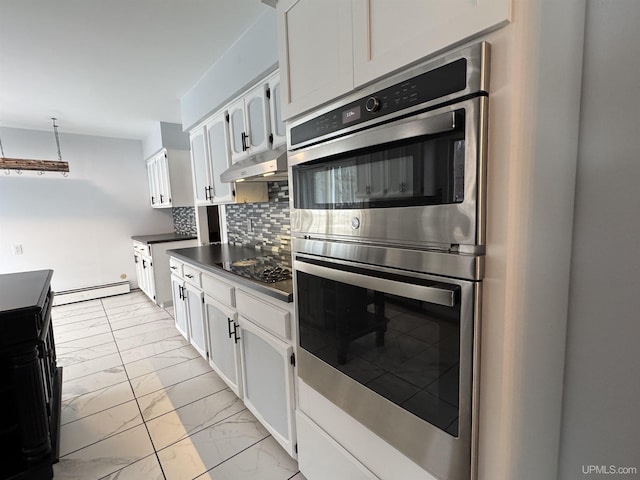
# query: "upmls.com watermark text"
(608, 470)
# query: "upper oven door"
(416, 181)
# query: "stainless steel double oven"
(387, 224)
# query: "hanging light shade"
(41, 166)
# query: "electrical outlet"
(17, 249)
(249, 225)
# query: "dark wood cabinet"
(30, 380)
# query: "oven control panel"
(437, 83)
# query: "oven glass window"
(406, 350)
(424, 171)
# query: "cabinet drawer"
(269, 317)
(176, 267)
(192, 275)
(221, 291)
(142, 248)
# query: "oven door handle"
(438, 295)
(422, 124)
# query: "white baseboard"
(90, 293)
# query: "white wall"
(600, 424)
(79, 226)
(164, 135)
(251, 57)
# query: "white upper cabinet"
(389, 35)
(218, 143)
(200, 163)
(314, 67)
(169, 173)
(249, 124)
(278, 127)
(363, 40)
(210, 156)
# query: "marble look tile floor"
(139, 403)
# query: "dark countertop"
(23, 291)
(24, 308)
(209, 256)
(162, 238)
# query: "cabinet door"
(314, 69)
(224, 350)
(257, 119)
(195, 315)
(200, 167)
(218, 139)
(164, 185)
(267, 373)
(390, 35)
(152, 174)
(179, 306)
(237, 130)
(140, 275)
(278, 128)
(148, 282)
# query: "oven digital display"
(351, 115)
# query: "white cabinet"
(144, 272)
(314, 68)
(268, 365)
(210, 156)
(194, 298)
(363, 40)
(159, 187)
(267, 374)
(247, 337)
(249, 123)
(200, 165)
(223, 336)
(278, 127)
(179, 306)
(218, 142)
(152, 268)
(169, 173)
(389, 35)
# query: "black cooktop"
(266, 268)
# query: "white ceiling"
(110, 67)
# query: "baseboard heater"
(90, 293)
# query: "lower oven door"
(395, 350)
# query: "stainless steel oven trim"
(478, 58)
(453, 224)
(441, 454)
(456, 265)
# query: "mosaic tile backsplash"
(184, 220)
(270, 228)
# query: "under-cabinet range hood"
(267, 166)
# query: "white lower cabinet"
(195, 315)
(247, 338)
(224, 349)
(267, 373)
(179, 306)
(144, 272)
